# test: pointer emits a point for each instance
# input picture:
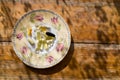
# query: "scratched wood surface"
(95, 49)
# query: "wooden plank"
(5, 25)
(90, 61)
(102, 27)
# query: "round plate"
(41, 38)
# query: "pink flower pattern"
(39, 18)
(24, 49)
(49, 59)
(19, 36)
(60, 47)
(54, 20)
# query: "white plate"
(41, 38)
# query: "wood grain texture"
(88, 62)
(88, 23)
(95, 30)
(5, 25)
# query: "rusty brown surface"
(95, 30)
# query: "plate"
(41, 38)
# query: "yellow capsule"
(38, 36)
(50, 38)
(42, 46)
(29, 31)
(45, 45)
(38, 45)
(30, 41)
(43, 28)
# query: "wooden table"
(95, 31)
